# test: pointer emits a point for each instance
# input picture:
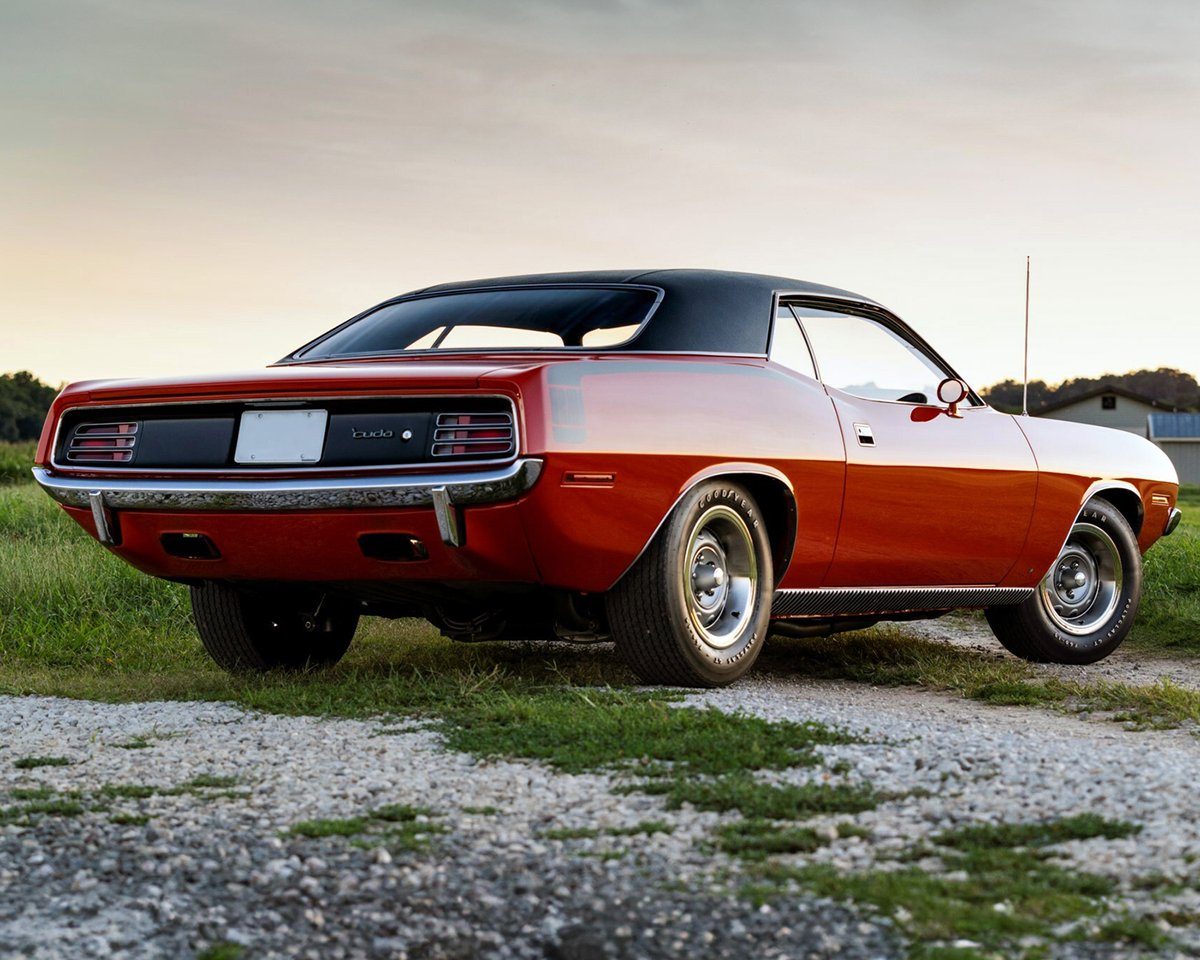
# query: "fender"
(783, 545)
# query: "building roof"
(1099, 391)
(1174, 426)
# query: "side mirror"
(952, 392)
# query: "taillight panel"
(361, 432)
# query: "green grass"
(759, 799)
(32, 793)
(66, 601)
(16, 460)
(397, 826)
(129, 819)
(128, 791)
(998, 887)
(32, 763)
(223, 950)
(1083, 826)
(577, 731)
(53, 807)
(1169, 618)
(571, 833)
(207, 781)
(758, 839)
(344, 827)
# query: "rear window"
(539, 318)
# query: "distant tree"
(24, 402)
(1168, 386)
(1007, 395)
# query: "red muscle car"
(681, 460)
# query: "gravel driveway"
(180, 841)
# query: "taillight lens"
(102, 442)
(473, 434)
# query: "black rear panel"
(359, 432)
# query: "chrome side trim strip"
(837, 601)
(461, 488)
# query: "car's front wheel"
(271, 629)
(694, 609)
(1085, 605)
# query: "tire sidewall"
(712, 665)
(1090, 647)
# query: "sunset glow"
(188, 187)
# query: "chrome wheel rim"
(1083, 588)
(720, 577)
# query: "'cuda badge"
(372, 434)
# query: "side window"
(867, 359)
(788, 346)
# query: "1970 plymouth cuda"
(681, 460)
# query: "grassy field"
(15, 461)
(1170, 614)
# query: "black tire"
(1086, 604)
(670, 629)
(258, 630)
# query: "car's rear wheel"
(271, 629)
(1085, 605)
(694, 609)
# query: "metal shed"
(1178, 436)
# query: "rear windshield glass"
(541, 318)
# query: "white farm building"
(1107, 406)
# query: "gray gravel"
(211, 864)
(1127, 664)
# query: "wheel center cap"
(1075, 582)
(706, 577)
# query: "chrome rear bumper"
(1173, 519)
(442, 491)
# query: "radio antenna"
(1025, 390)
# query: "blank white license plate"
(281, 436)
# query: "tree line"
(24, 402)
(1168, 386)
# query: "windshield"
(510, 319)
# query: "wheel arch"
(773, 493)
(1124, 497)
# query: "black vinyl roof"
(709, 311)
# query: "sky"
(199, 186)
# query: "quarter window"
(788, 346)
(863, 357)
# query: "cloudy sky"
(191, 186)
